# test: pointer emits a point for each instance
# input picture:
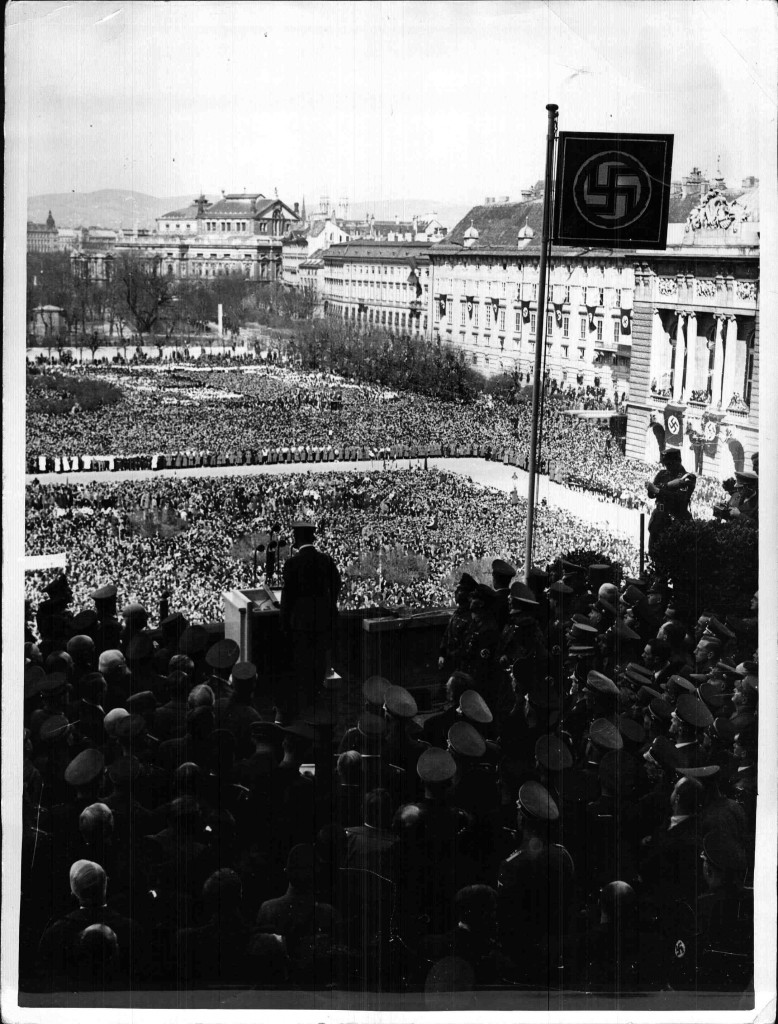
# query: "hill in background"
(117, 208)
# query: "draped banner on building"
(558, 313)
(591, 310)
(35, 563)
(496, 308)
(469, 306)
(442, 305)
(626, 321)
(525, 311)
(711, 427)
(673, 425)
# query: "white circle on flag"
(612, 189)
(673, 425)
(710, 430)
(625, 321)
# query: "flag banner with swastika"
(525, 311)
(673, 425)
(612, 190)
(626, 321)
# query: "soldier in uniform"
(221, 658)
(54, 618)
(452, 646)
(535, 889)
(502, 574)
(743, 504)
(672, 487)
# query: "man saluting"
(309, 615)
(673, 488)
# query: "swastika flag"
(612, 191)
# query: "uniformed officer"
(687, 726)
(743, 505)
(672, 487)
(454, 642)
(221, 658)
(502, 574)
(535, 889)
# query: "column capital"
(731, 317)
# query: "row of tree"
(138, 298)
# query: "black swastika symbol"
(612, 190)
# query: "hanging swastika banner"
(612, 191)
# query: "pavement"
(624, 522)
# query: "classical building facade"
(483, 301)
(300, 245)
(378, 284)
(695, 362)
(242, 234)
(42, 237)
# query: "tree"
(145, 291)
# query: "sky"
(369, 100)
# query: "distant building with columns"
(695, 337)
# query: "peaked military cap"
(632, 595)
(631, 731)
(466, 740)
(660, 709)
(521, 593)
(601, 684)
(704, 772)
(724, 729)
(141, 703)
(663, 753)
(679, 685)
(473, 706)
(467, 582)
(301, 729)
(53, 728)
(553, 753)
(130, 728)
(624, 632)
(222, 655)
(693, 711)
(712, 694)
(371, 725)
(33, 680)
(374, 690)
(105, 593)
(243, 672)
(503, 568)
(85, 767)
(536, 802)
(85, 620)
(140, 648)
(558, 587)
(605, 734)
(646, 694)
(399, 702)
(435, 765)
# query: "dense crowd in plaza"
(238, 415)
(578, 814)
(189, 535)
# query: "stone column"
(691, 356)
(680, 358)
(717, 381)
(658, 345)
(730, 358)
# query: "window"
(581, 353)
(462, 313)
(263, 227)
(566, 297)
(486, 360)
(748, 379)
(582, 333)
(475, 314)
(488, 314)
(616, 329)
(475, 359)
(532, 323)
(425, 321)
(565, 326)
(618, 297)
(600, 296)
(534, 291)
(450, 310)
(436, 306)
(402, 321)
(599, 330)
(565, 351)
(549, 325)
(502, 319)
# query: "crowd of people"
(186, 416)
(578, 814)
(194, 537)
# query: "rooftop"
(365, 249)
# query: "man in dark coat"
(672, 487)
(309, 615)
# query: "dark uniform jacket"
(310, 595)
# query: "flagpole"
(552, 109)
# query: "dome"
(526, 231)
(472, 232)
